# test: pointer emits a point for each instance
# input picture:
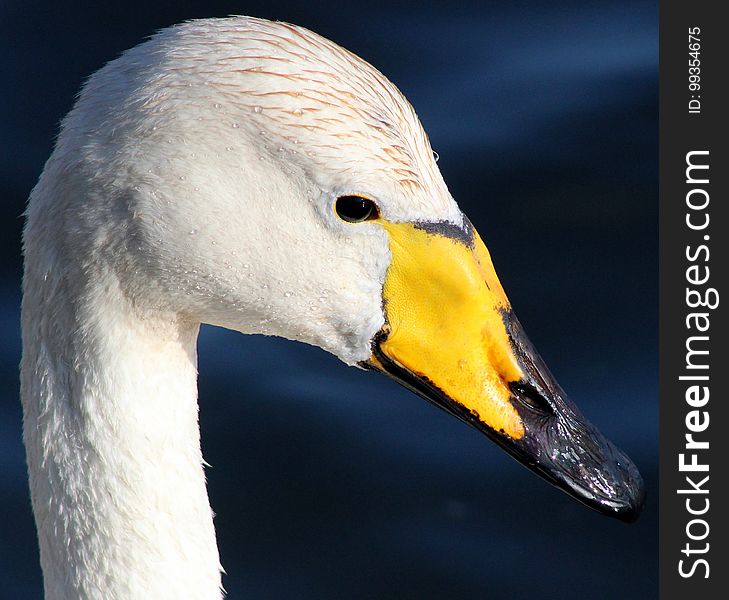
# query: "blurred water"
(333, 483)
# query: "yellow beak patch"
(443, 306)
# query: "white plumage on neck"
(114, 452)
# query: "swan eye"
(355, 209)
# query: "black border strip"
(683, 131)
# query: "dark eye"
(355, 209)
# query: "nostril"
(530, 397)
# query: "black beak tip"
(627, 512)
(636, 493)
(630, 505)
(610, 485)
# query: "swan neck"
(111, 431)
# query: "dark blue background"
(333, 483)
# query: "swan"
(255, 176)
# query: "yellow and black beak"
(451, 337)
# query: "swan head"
(256, 176)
